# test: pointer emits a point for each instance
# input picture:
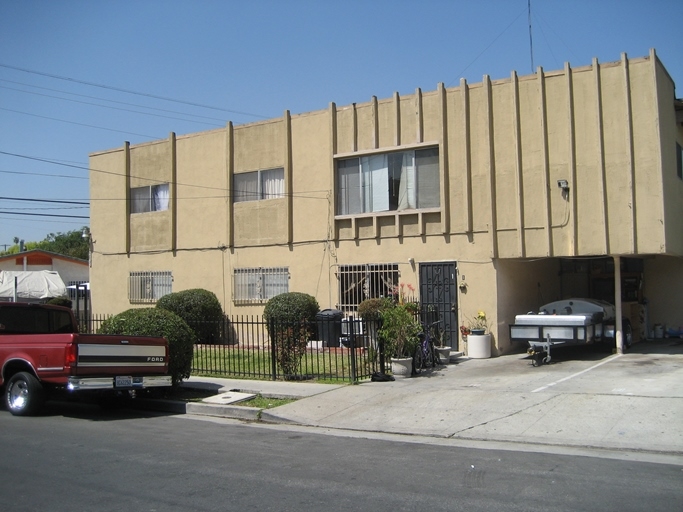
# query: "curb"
(223, 411)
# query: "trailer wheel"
(537, 359)
(24, 395)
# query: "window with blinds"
(259, 185)
(402, 180)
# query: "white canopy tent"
(31, 285)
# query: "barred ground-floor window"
(365, 281)
(257, 285)
(149, 286)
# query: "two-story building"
(497, 196)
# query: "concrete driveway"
(584, 398)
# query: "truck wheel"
(24, 395)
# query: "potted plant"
(431, 318)
(479, 325)
(399, 332)
(478, 339)
(442, 349)
(370, 310)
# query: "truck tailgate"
(112, 355)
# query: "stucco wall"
(503, 146)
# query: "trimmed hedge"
(200, 309)
(291, 307)
(289, 318)
(371, 309)
(60, 301)
(158, 322)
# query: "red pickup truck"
(41, 351)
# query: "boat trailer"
(565, 323)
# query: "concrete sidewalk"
(583, 399)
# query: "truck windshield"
(23, 320)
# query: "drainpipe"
(618, 333)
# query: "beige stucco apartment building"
(498, 196)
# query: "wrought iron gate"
(438, 292)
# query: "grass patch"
(243, 362)
(262, 402)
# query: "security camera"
(563, 184)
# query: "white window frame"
(259, 185)
(258, 285)
(390, 181)
(150, 198)
(149, 286)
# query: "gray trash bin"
(329, 326)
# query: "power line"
(46, 215)
(27, 173)
(54, 162)
(491, 44)
(222, 189)
(110, 107)
(128, 91)
(531, 40)
(42, 200)
(17, 222)
(79, 124)
(107, 100)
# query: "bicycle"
(425, 355)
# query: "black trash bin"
(329, 326)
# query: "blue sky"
(79, 76)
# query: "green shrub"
(158, 322)
(289, 317)
(399, 331)
(199, 308)
(60, 301)
(371, 309)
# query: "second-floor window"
(151, 198)
(401, 180)
(257, 185)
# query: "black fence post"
(273, 349)
(382, 366)
(352, 349)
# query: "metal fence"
(335, 347)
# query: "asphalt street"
(76, 457)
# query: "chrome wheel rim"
(17, 395)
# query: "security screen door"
(438, 294)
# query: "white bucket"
(659, 331)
